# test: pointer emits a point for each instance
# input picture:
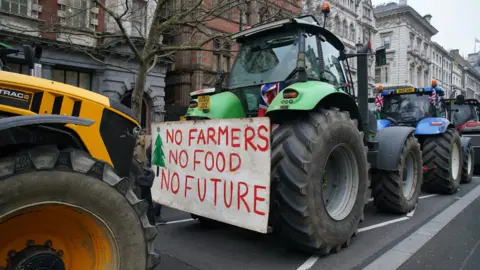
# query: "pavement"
(441, 233)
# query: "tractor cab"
(409, 106)
(273, 56)
(463, 113)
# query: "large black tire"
(300, 151)
(141, 188)
(45, 174)
(388, 187)
(468, 164)
(437, 156)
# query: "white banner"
(218, 169)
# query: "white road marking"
(400, 253)
(378, 225)
(309, 263)
(427, 196)
(412, 212)
(178, 221)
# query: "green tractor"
(324, 147)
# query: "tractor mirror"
(38, 53)
(380, 57)
(460, 99)
(28, 54)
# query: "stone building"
(441, 68)
(196, 70)
(353, 22)
(407, 37)
(67, 54)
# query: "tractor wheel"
(66, 210)
(397, 192)
(468, 163)
(142, 190)
(443, 155)
(319, 180)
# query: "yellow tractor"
(69, 191)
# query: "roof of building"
(394, 8)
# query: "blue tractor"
(440, 142)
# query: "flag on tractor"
(379, 101)
(433, 97)
(267, 93)
(158, 155)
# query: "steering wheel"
(391, 119)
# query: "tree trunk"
(137, 98)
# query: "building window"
(345, 29)
(217, 57)
(387, 41)
(74, 13)
(336, 25)
(366, 12)
(222, 58)
(378, 75)
(18, 7)
(412, 38)
(145, 118)
(352, 32)
(71, 77)
(139, 8)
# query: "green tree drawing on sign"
(158, 156)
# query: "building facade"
(470, 76)
(196, 70)
(353, 22)
(406, 36)
(76, 52)
(441, 68)
(457, 78)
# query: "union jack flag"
(267, 94)
(379, 101)
(433, 97)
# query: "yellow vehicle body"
(27, 95)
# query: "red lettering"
(249, 138)
(204, 189)
(223, 163)
(184, 158)
(211, 159)
(190, 137)
(235, 137)
(264, 138)
(187, 187)
(227, 204)
(201, 137)
(259, 199)
(178, 137)
(175, 191)
(195, 161)
(215, 181)
(165, 179)
(241, 196)
(170, 135)
(222, 132)
(239, 162)
(173, 156)
(211, 135)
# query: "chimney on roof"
(402, 2)
(455, 52)
(427, 17)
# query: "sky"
(457, 21)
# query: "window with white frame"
(78, 13)
(139, 15)
(386, 41)
(18, 7)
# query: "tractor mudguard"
(425, 127)
(390, 144)
(383, 123)
(465, 141)
(17, 121)
(309, 95)
(223, 105)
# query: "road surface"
(185, 244)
